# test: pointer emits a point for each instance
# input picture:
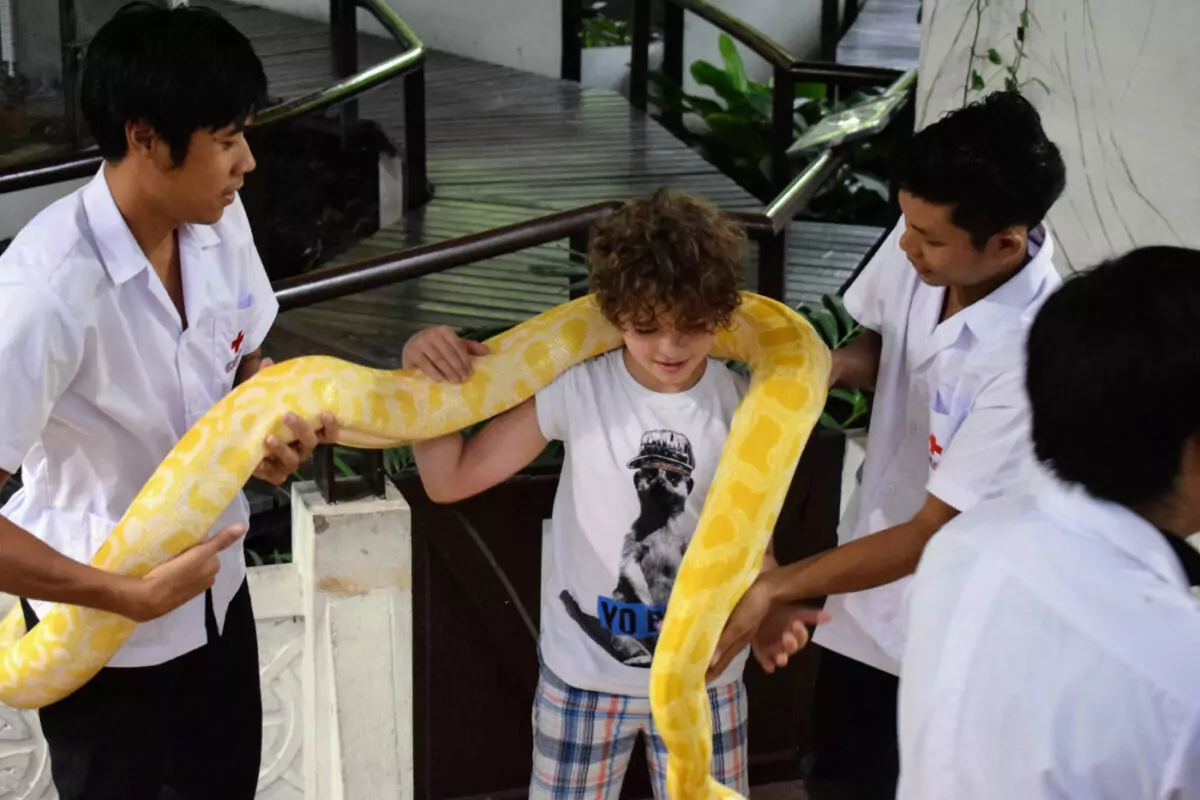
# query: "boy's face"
(664, 358)
(199, 189)
(944, 255)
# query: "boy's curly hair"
(669, 252)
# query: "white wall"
(523, 34)
(1120, 102)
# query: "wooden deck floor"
(886, 34)
(503, 146)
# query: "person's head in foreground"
(667, 271)
(972, 187)
(167, 93)
(1113, 377)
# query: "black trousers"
(856, 752)
(193, 724)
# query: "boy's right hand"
(170, 585)
(442, 355)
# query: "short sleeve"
(41, 348)
(867, 297)
(257, 284)
(992, 452)
(552, 404)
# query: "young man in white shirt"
(946, 303)
(127, 309)
(1054, 639)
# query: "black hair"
(1113, 375)
(178, 69)
(990, 161)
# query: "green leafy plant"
(734, 131)
(846, 409)
(276, 556)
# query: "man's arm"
(32, 569)
(856, 366)
(452, 468)
(767, 616)
(865, 563)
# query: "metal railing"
(333, 282)
(793, 194)
(351, 83)
(768, 229)
(787, 69)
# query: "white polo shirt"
(950, 418)
(1053, 651)
(101, 380)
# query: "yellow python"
(379, 408)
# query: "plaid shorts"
(583, 740)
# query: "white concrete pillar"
(354, 562)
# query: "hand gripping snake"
(206, 469)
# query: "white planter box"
(608, 67)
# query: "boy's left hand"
(282, 459)
(773, 632)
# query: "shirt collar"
(120, 253)
(1009, 304)
(1074, 509)
(1016, 297)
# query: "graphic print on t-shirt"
(626, 624)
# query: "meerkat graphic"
(654, 545)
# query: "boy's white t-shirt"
(637, 470)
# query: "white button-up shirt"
(102, 379)
(950, 418)
(1053, 651)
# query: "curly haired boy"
(644, 427)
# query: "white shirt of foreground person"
(101, 380)
(949, 418)
(1053, 651)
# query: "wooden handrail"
(328, 284)
(756, 40)
(359, 276)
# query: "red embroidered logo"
(236, 344)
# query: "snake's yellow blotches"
(379, 408)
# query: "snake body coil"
(378, 408)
